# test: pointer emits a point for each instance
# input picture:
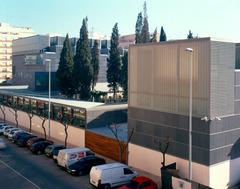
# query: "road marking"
(19, 174)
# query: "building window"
(4, 70)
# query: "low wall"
(150, 161)
(76, 136)
(103, 145)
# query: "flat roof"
(92, 106)
(68, 102)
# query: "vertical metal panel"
(222, 78)
(159, 76)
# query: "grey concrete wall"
(25, 74)
(212, 142)
(150, 124)
(101, 118)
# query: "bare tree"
(30, 114)
(44, 119)
(163, 147)
(114, 128)
(2, 108)
(64, 120)
(13, 108)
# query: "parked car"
(111, 175)
(55, 154)
(5, 133)
(49, 150)
(2, 144)
(12, 132)
(2, 129)
(140, 182)
(2, 124)
(20, 134)
(39, 147)
(72, 155)
(23, 138)
(84, 165)
(31, 141)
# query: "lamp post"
(190, 50)
(49, 54)
(49, 95)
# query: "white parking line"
(19, 174)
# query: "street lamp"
(49, 94)
(190, 50)
(49, 54)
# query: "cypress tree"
(163, 36)
(145, 35)
(124, 75)
(65, 68)
(95, 63)
(114, 62)
(83, 70)
(138, 28)
(190, 35)
(154, 36)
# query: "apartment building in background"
(159, 75)
(8, 33)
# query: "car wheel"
(39, 152)
(107, 186)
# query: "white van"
(69, 156)
(111, 175)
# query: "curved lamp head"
(189, 49)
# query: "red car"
(140, 182)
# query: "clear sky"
(214, 18)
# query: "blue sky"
(214, 18)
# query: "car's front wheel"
(106, 186)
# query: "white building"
(7, 34)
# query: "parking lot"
(21, 169)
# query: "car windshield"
(133, 185)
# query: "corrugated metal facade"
(159, 77)
(222, 79)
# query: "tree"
(138, 28)
(13, 108)
(30, 114)
(64, 120)
(43, 115)
(163, 36)
(2, 108)
(114, 62)
(44, 119)
(124, 75)
(145, 35)
(65, 69)
(154, 36)
(163, 147)
(190, 35)
(114, 128)
(82, 69)
(95, 63)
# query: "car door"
(128, 174)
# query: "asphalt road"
(20, 169)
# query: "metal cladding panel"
(159, 76)
(222, 78)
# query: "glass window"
(127, 171)
(79, 117)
